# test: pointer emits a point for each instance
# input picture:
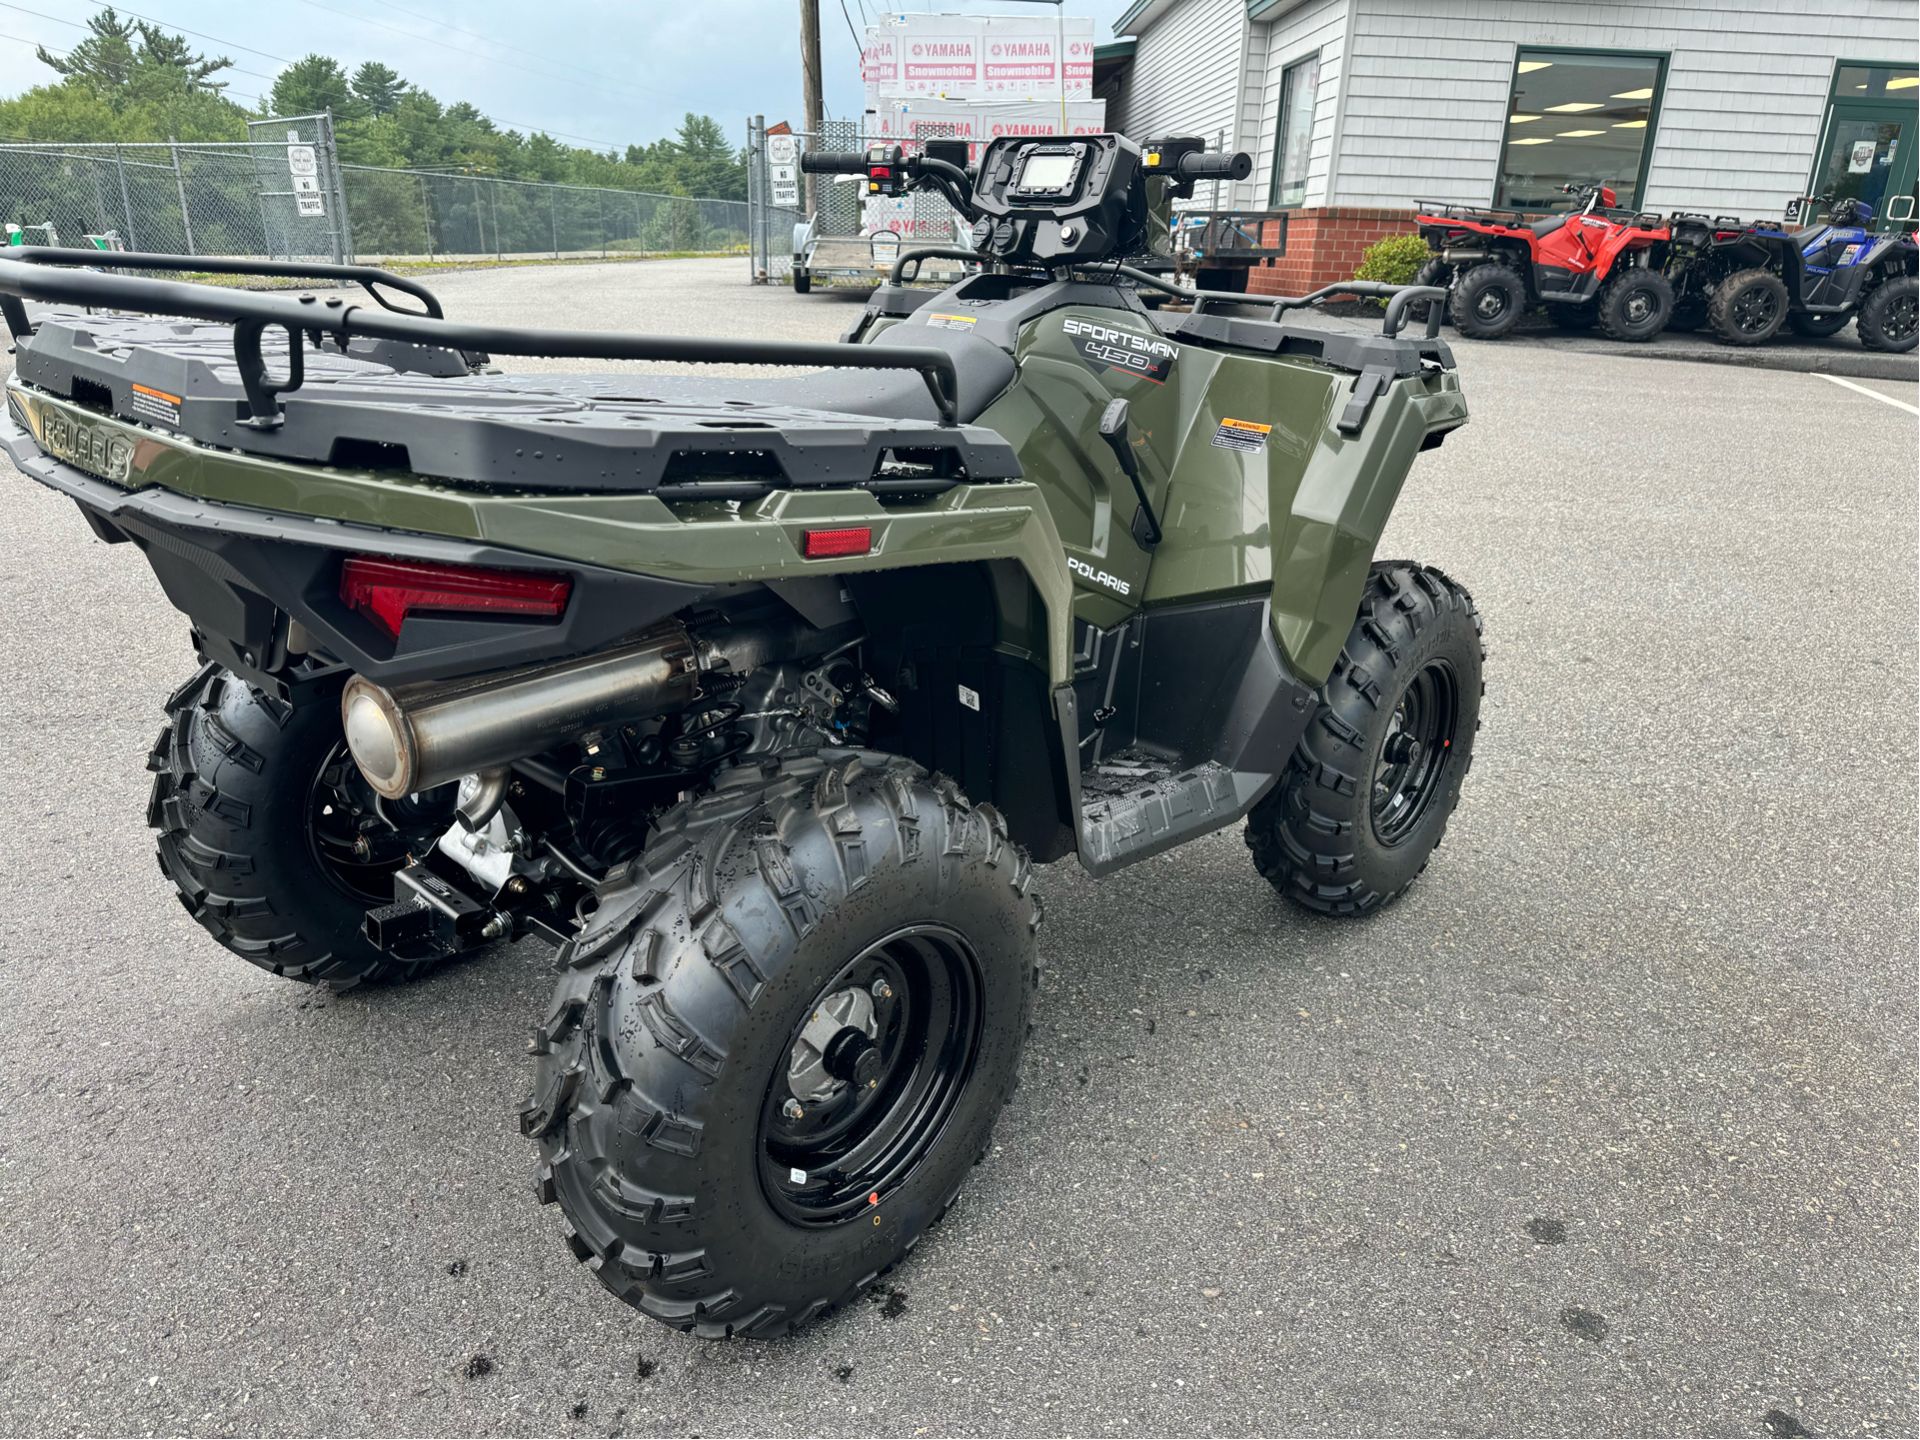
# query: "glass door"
(1867, 149)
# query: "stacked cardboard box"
(971, 77)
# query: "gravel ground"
(1606, 1128)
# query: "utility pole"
(810, 82)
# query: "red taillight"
(820, 544)
(387, 591)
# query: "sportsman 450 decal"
(1108, 347)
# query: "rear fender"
(688, 547)
(960, 649)
(1892, 254)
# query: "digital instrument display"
(1047, 172)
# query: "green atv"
(759, 700)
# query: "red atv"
(1593, 266)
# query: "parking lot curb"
(1807, 357)
(1804, 359)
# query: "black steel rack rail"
(74, 277)
(1458, 210)
(1398, 298)
(1493, 215)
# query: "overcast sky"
(604, 72)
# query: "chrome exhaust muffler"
(417, 737)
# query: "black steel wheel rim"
(1491, 303)
(1903, 315)
(1416, 753)
(357, 839)
(1639, 306)
(1755, 307)
(845, 1152)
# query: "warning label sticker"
(151, 404)
(952, 322)
(1248, 435)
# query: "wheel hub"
(1903, 315)
(871, 1076)
(1414, 755)
(835, 1048)
(358, 840)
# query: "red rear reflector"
(820, 544)
(387, 591)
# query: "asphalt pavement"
(1607, 1127)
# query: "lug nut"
(793, 1109)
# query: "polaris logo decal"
(93, 448)
(1108, 347)
(1098, 577)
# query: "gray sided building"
(1355, 109)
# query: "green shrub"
(1396, 259)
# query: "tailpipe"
(418, 737)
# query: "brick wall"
(1324, 244)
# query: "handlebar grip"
(1199, 166)
(833, 162)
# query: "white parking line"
(1883, 399)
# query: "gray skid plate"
(419, 410)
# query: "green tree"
(172, 53)
(379, 88)
(314, 83)
(128, 61)
(104, 60)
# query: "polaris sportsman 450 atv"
(1593, 266)
(758, 699)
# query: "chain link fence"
(432, 215)
(283, 194)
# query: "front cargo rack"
(72, 277)
(1377, 360)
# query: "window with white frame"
(1293, 132)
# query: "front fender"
(1327, 540)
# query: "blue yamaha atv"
(1747, 279)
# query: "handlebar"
(1197, 165)
(833, 162)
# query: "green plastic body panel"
(1257, 489)
(1294, 509)
(711, 543)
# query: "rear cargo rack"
(73, 277)
(1455, 210)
